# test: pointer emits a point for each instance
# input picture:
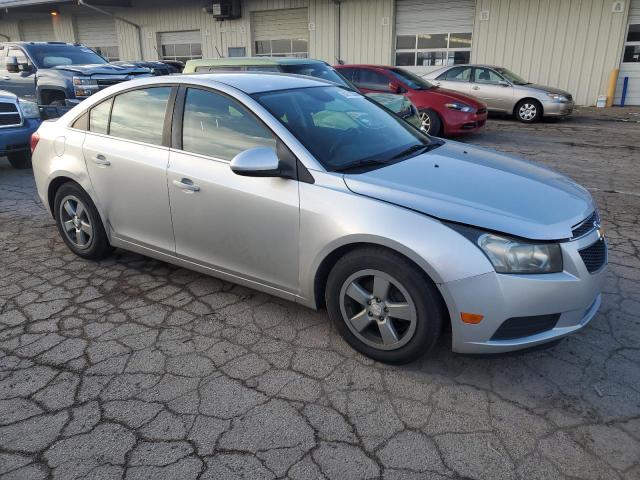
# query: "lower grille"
(594, 256)
(518, 327)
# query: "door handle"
(475, 87)
(186, 185)
(101, 160)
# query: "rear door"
(456, 78)
(126, 153)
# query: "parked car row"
(310, 191)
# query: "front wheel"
(528, 111)
(79, 223)
(430, 122)
(20, 160)
(383, 305)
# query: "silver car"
(313, 193)
(505, 92)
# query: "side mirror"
(504, 83)
(11, 64)
(394, 87)
(256, 162)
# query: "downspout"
(116, 17)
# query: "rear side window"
(139, 115)
(456, 74)
(373, 80)
(216, 126)
(99, 117)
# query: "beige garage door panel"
(434, 16)
(289, 23)
(37, 30)
(96, 31)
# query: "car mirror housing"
(257, 162)
(504, 83)
(11, 64)
(394, 87)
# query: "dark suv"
(58, 73)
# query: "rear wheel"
(20, 160)
(79, 223)
(430, 122)
(528, 111)
(383, 305)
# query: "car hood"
(535, 86)
(482, 188)
(451, 95)
(104, 69)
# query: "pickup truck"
(18, 120)
(57, 73)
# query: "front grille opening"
(585, 226)
(10, 119)
(518, 327)
(594, 256)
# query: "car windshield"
(411, 79)
(512, 77)
(343, 129)
(318, 70)
(51, 55)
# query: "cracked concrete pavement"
(132, 368)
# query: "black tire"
(528, 111)
(20, 160)
(97, 246)
(429, 307)
(431, 123)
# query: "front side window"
(217, 126)
(99, 117)
(433, 49)
(632, 45)
(139, 115)
(486, 75)
(342, 128)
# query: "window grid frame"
(446, 51)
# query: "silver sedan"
(505, 92)
(313, 193)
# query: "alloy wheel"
(378, 309)
(426, 122)
(528, 111)
(75, 221)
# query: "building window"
(237, 52)
(433, 49)
(181, 52)
(632, 45)
(282, 48)
(112, 54)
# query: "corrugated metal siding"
(366, 31)
(37, 29)
(570, 44)
(434, 16)
(631, 70)
(10, 29)
(96, 31)
(290, 23)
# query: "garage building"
(570, 44)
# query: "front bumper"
(460, 123)
(574, 295)
(16, 139)
(558, 109)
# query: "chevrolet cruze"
(313, 193)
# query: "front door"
(243, 226)
(23, 82)
(127, 164)
(486, 87)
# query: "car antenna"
(340, 62)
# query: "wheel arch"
(47, 94)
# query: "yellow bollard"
(611, 90)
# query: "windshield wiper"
(362, 164)
(418, 147)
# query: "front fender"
(49, 79)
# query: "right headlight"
(85, 86)
(515, 255)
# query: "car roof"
(247, 82)
(22, 42)
(250, 61)
(368, 65)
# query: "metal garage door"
(37, 30)
(281, 33)
(432, 33)
(630, 66)
(182, 46)
(99, 33)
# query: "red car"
(443, 112)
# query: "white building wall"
(570, 44)
(631, 70)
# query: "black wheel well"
(48, 96)
(54, 186)
(530, 99)
(322, 274)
